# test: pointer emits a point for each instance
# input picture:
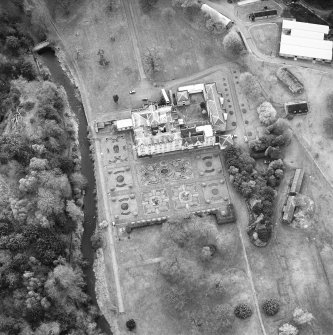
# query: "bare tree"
(153, 61)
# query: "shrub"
(271, 307)
(243, 311)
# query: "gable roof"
(182, 96)
(225, 141)
(213, 105)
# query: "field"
(143, 285)
(266, 37)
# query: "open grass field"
(185, 46)
(266, 37)
(143, 286)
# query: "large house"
(161, 129)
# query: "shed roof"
(319, 28)
(302, 47)
(314, 35)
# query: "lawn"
(143, 286)
(185, 46)
(266, 38)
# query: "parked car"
(246, 139)
(132, 91)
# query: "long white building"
(306, 41)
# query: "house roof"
(225, 140)
(304, 47)
(265, 13)
(213, 104)
(182, 96)
(301, 106)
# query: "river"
(90, 213)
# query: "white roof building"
(124, 124)
(215, 15)
(305, 40)
(318, 28)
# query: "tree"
(97, 239)
(288, 329)
(147, 5)
(78, 180)
(64, 286)
(243, 311)
(130, 324)
(74, 212)
(102, 60)
(251, 87)
(271, 307)
(13, 44)
(49, 201)
(50, 328)
(301, 316)
(152, 61)
(27, 70)
(267, 113)
(233, 44)
(116, 98)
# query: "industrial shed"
(305, 41)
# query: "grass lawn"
(143, 285)
(185, 46)
(266, 38)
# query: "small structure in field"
(289, 210)
(217, 16)
(224, 217)
(264, 14)
(183, 98)
(297, 182)
(296, 107)
(145, 223)
(289, 80)
(290, 207)
(125, 124)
